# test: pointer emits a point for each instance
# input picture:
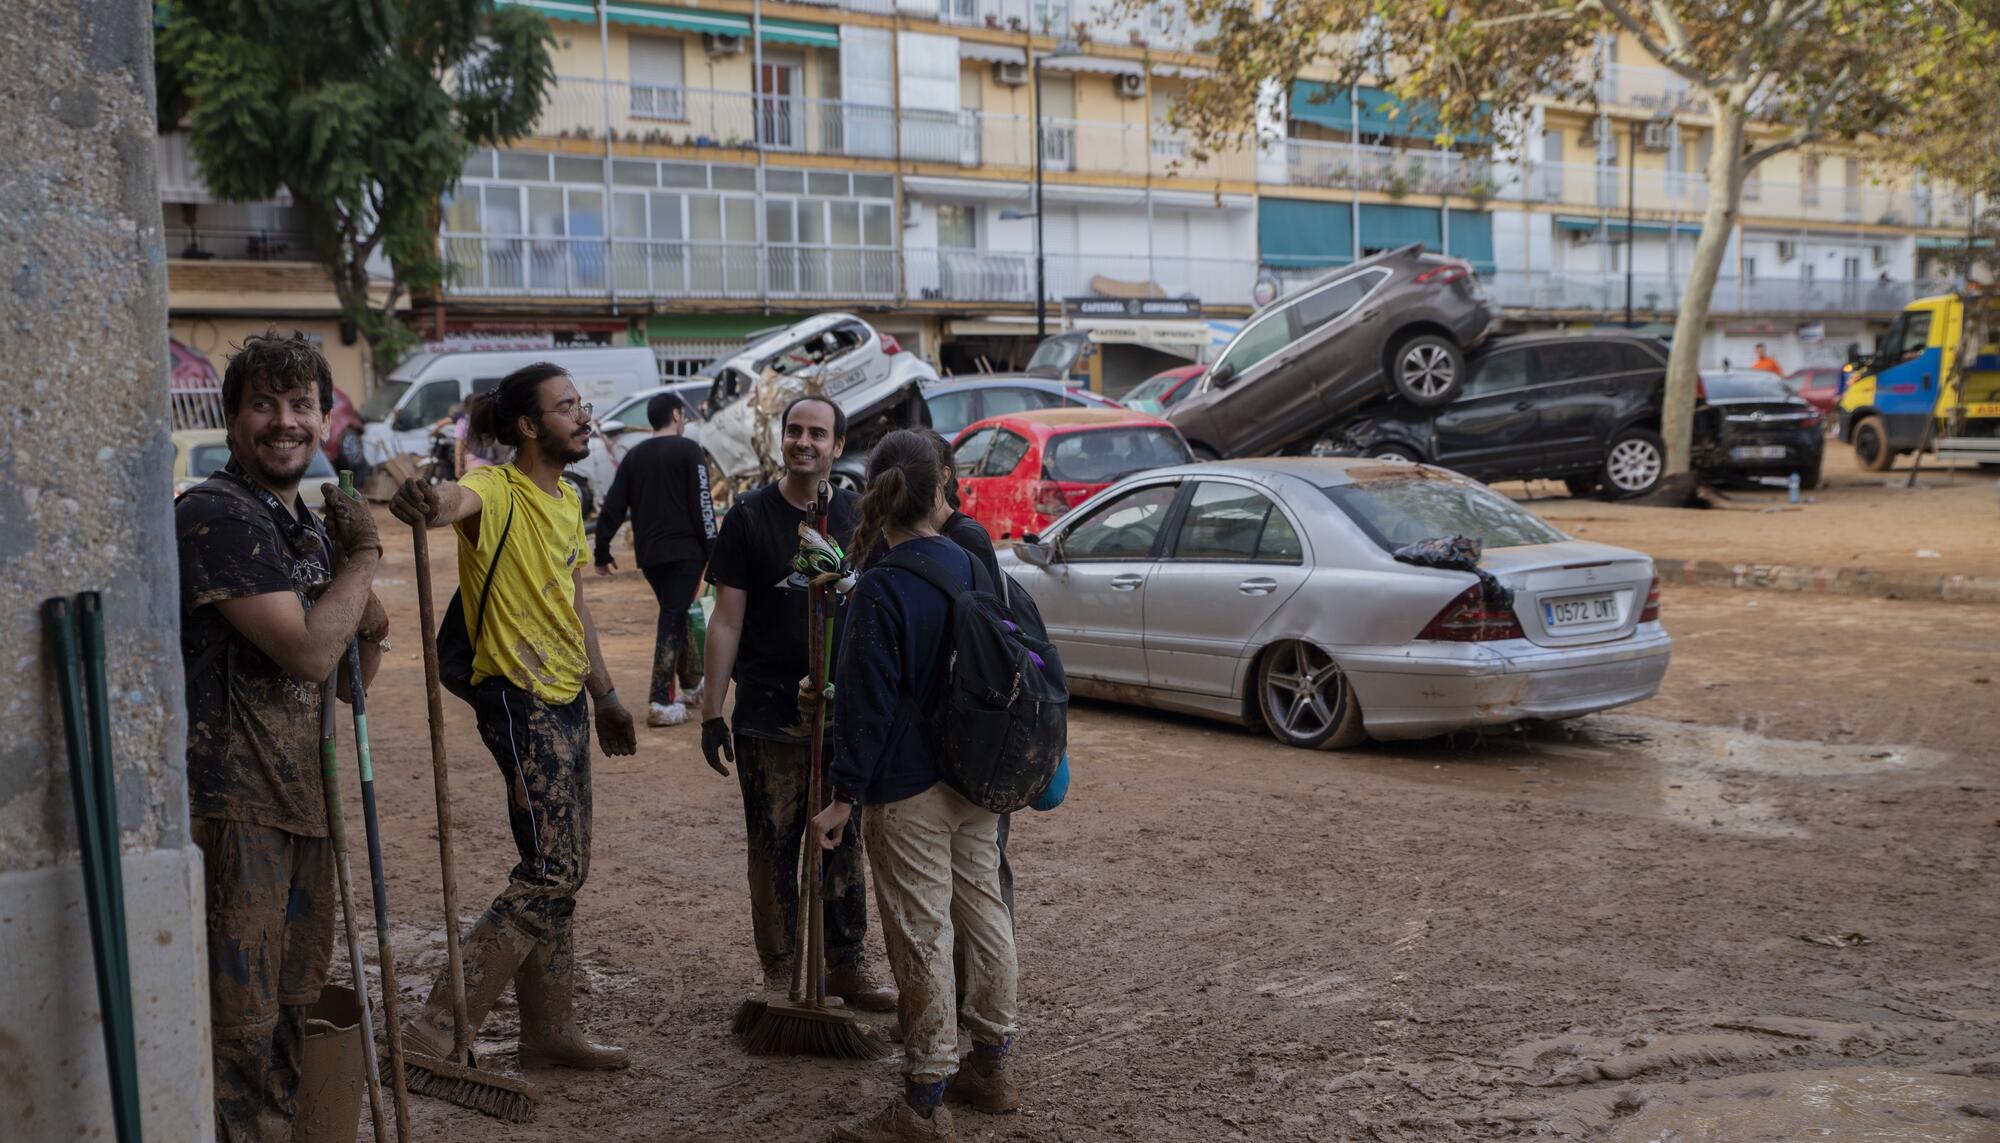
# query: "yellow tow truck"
(1933, 385)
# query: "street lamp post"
(1632, 213)
(1041, 285)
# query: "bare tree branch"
(1668, 55)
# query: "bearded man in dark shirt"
(270, 597)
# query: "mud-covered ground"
(1583, 933)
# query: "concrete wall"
(84, 483)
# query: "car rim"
(1633, 465)
(1304, 691)
(1388, 454)
(1427, 370)
(846, 481)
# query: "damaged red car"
(1018, 473)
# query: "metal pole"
(610, 239)
(1041, 282)
(757, 105)
(1631, 213)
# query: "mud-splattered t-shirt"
(531, 635)
(253, 730)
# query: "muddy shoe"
(667, 714)
(899, 1123)
(852, 983)
(550, 1037)
(985, 1085)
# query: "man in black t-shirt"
(664, 483)
(757, 640)
(269, 600)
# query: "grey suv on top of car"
(1398, 323)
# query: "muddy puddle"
(1710, 777)
(1881, 1105)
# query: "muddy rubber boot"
(900, 1123)
(778, 977)
(985, 1082)
(852, 983)
(546, 987)
(491, 954)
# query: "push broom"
(809, 1022)
(336, 827)
(459, 1079)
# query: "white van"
(425, 388)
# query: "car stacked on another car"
(1400, 322)
(1267, 592)
(1019, 472)
(1581, 409)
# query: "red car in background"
(1820, 385)
(1161, 391)
(1019, 472)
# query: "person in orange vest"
(1765, 363)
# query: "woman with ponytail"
(935, 854)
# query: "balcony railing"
(1392, 171)
(1009, 276)
(1604, 293)
(539, 266)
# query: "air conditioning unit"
(1787, 250)
(721, 44)
(1657, 137)
(1593, 133)
(1007, 73)
(1132, 86)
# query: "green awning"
(687, 20)
(1387, 227)
(1616, 226)
(1956, 242)
(1300, 233)
(1380, 112)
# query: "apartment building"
(707, 169)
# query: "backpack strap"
(486, 586)
(213, 650)
(933, 573)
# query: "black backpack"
(1000, 726)
(456, 645)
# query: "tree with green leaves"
(364, 110)
(1775, 75)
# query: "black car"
(1763, 427)
(1581, 409)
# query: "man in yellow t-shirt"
(520, 561)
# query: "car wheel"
(1204, 454)
(1581, 487)
(1810, 478)
(1634, 463)
(1306, 700)
(1871, 445)
(1393, 452)
(352, 455)
(1427, 370)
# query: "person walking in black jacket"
(663, 483)
(935, 854)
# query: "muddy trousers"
(543, 750)
(271, 901)
(1006, 894)
(674, 586)
(774, 776)
(937, 885)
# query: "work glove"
(349, 522)
(615, 732)
(715, 744)
(416, 503)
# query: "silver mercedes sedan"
(1266, 592)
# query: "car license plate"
(1579, 611)
(1757, 452)
(1982, 410)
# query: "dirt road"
(1583, 933)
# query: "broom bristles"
(502, 1097)
(806, 1029)
(748, 1015)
